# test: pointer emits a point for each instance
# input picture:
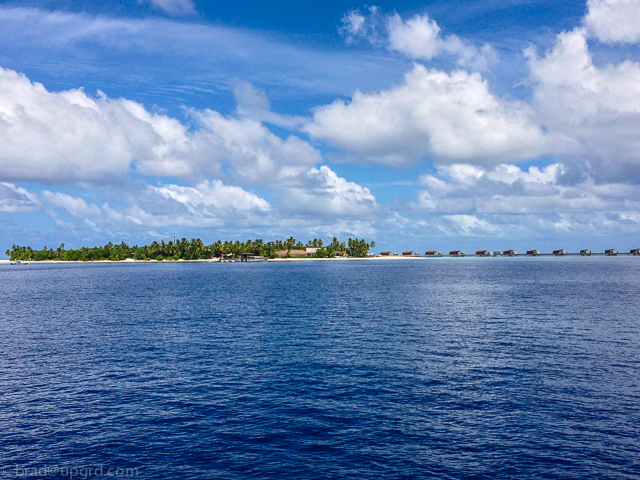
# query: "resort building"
(410, 253)
(509, 253)
(560, 252)
(635, 251)
(611, 251)
(456, 253)
(533, 252)
(585, 252)
(483, 253)
(291, 253)
(432, 253)
(311, 250)
(386, 253)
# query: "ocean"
(392, 369)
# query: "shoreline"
(313, 259)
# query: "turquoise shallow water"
(470, 368)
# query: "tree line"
(193, 249)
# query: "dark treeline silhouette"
(193, 249)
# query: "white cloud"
(174, 6)
(213, 197)
(15, 199)
(419, 38)
(325, 194)
(68, 136)
(256, 155)
(354, 24)
(450, 117)
(613, 21)
(592, 113)
(253, 104)
(78, 207)
(507, 189)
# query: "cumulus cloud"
(592, 113)
(325, 194)
(215, 196)
(449, 117)
(78, 207)
(67, 136)
(507, 189)
(15, 199)
(319, 201)
(613, 21)
(61, 137)
(256, 155)
(418, 38)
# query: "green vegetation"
(193, 249)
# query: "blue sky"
(431, 125)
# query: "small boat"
(19, 262)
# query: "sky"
(434, 125)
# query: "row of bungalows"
(506, 253)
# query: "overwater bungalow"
(634, 251)
(560, 252)
(410, 253)
(585, 252)
(509, 253)
(251, 257)
(611, 252)
(483, 253)
(432, 253)
(456, 253)
(533, 252)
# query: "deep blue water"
(444, 368)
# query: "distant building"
(432, 253)
(611, 251)
(311, 250)
(456, 253)
(369, 254)
(386, 253)
(560, 252)
(482, 253)
(635, 251)
(410, 253)
(251, 257)
(533, 252)
(292, 253)
(585, 252)
(509, 253)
